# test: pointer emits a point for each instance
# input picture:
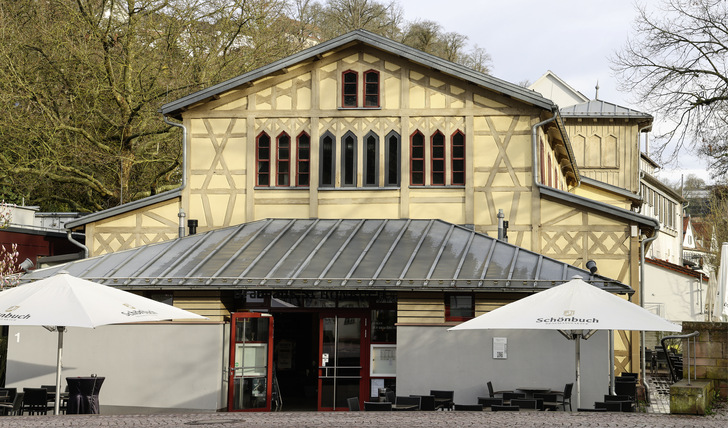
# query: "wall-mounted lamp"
(592, 266)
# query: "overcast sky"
(572, 38)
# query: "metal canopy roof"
(602, 109)
(320, 254)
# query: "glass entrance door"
(251, 357)
(342, 360)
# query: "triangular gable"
(511, 90)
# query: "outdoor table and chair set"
(81, 396)
(522, 398)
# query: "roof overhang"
(332, 254)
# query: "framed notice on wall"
(500, 348)
(384, 360)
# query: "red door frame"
(269, 365)
(364, 315)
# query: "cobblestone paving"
(376, 419)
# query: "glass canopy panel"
(526, 265)
(500, 263)
(453, 252)
(428, 252)
(407, 244)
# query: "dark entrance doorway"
(295, 354)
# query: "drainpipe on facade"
(78, 244)
(643, 243)
(181, 215)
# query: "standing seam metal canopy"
(319, 254)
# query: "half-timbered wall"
(607, 150)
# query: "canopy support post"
(577, 346)
(56, 409)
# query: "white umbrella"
(721, 299)
(64, 301)
(571, 308)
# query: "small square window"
(459, 307)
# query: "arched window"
(349, 88)
(458, 158)
(262, 159)
(371, 88)
(391, 174)
(348, 159)
(542, 165)
(438, 159)
(327, 164)
(371, 159)
(283, 158)
(303, 160)
(417, 159)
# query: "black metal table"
(83, 394)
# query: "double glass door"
(343, 360)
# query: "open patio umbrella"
(576, 309)
(63, 301)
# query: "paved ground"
(376, 419)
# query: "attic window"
(349, 89)
(371, 88)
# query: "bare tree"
(676, 63)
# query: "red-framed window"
(262, 159)
(283, 158)
(417, 159)
(371, 88)
(438, 159)
(459, 307)
(458, 158)
(543, 165)
(349, 89)
(303, 160)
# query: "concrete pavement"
(375, 419)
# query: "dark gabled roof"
(125, 208)
(175, 108)
(679, 269)
(602, 109)
(601, 207)
(321, 254)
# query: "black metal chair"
(497, 408)
(63, 405)
(407, 403)
(17, 408)
(353, 404)
(493, 393)
(390, 396)
(443, 399)
(35, 401)
(550, 400)
(627, 404)
(508, 396)
(565, 395)
(427, 402)
(609, 406)
(377, 406)
(468, 407)
(525, 403)
(490, 401)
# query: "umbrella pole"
(58, 370)
(577, 345)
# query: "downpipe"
(181, 215)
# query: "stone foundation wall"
(711, 353)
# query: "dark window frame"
(449, 316)
(369, 166)
(259, 161)
(303, 160)
(283, 161)
(349, 160)
(454, 180)
(368, 92)
(437, 174)
(417, 160)
(349, 89)
(392, 158)
(332, 159)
